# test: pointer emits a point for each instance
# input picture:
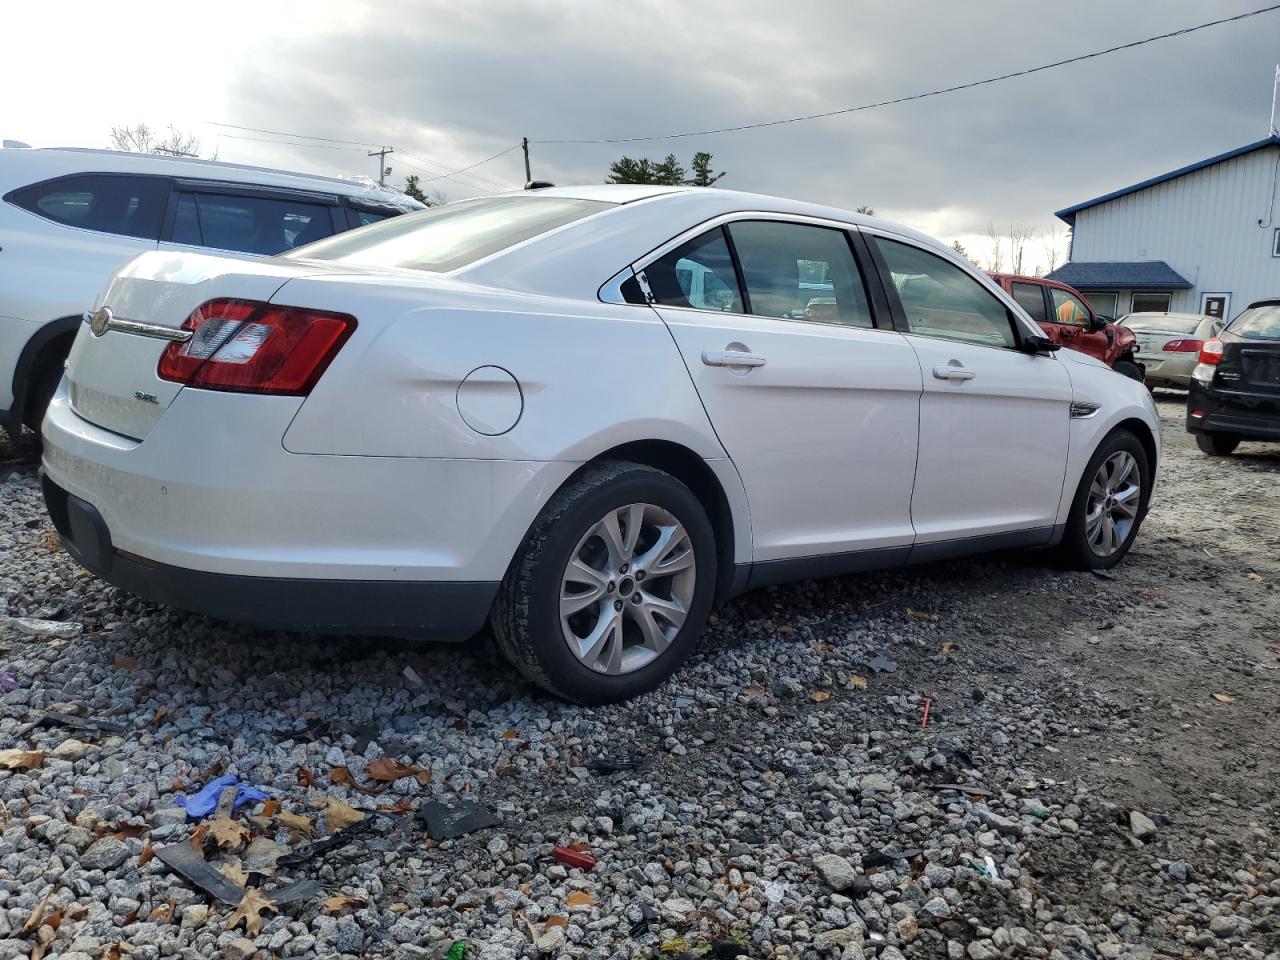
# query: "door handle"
(731, 358)
(953, 373)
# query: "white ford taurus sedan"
(582, 415)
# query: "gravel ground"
(1116, 739)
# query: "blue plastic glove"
(205, 801)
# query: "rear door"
(993, 419)
(817, 407)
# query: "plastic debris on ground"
(457, 950)
(614, 764)
(882, 664)
(184, 860)
(205, 800)
(445, 822)
(573, 858)
(7, 682)
(324, 845)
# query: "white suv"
(69, 218)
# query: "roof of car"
(49, 162)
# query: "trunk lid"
(112, 376)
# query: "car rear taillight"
(1182, 346)
(1211, 352)
(246, 346)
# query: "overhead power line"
(451, 173)
(922, 96)
(282, 133)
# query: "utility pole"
(1275, 88)
(382, 163)
(528, 177)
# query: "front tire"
(41, 396)
(1129, 369)
(1110, 504)
(1217, 444)
(611, 587)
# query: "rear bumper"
(1170, 369)
(1249, 416)
(441, 610)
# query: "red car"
(1066, 318)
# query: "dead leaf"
(234, 872)
(1256, 577)
(197, 837)
(340, 902)
(126, 663)
(403, 805)
(388, 770)
(160, 714)
(580, 846)
(580, 898)
(555, 921)
(228, 833)
(113, 951)
(306, 778)
(753, 693)
(147, 854)
(36, 917)
(918, 614)
(338, 813)
(164, 913)
(249, 912)
(54, 919)
(50, 541)
(949, 647)
(269, 808)
(16, 759)
(398, 907)
(857, 681)
(296, 822)
(819, 696)
(1223, 698)
(129, 831)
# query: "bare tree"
(142, 139)
(1056, 244)
(995, 260)
(1019, 236)
(866, 211)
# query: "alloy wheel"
(627, 588)
(1112, 509)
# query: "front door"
(817, 407)
(1074, 320)
(993, 419)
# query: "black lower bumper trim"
(439, 610)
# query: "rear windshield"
(446, 238)
(1258, 323)
(1145, 321)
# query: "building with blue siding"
(1204, 238)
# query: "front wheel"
(1129, 369)
(1217, 444)
(611, 587)
(1109, 505)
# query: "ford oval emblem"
(100, 321)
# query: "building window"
(1104, 304)
(1275, 243)
(1151, 302)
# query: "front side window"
(941, 300)
(699, 274)
(1031, 299)
(1150, 303)
(793, 271)
(455, 235)
(107, 203)
(245, 224)
(1068, 308)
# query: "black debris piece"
(887, 856)
(722, 948)
(297, 891)
(365, 735)
(325, 844)
(183, 860)
(882, 664)
(615, 764)
(970, 788)
(445, 822)
(648, 915)
(69, 721)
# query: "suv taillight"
(1211, 352)
(246, 346)
(1182, 346)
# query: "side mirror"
(1099, 322)
(1034, 343)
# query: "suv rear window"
(1260, 322)
(108, 203)
(249, 224)
(449, 237)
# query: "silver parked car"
(1169, 344)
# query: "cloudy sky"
(448, 84)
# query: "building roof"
(1107, 275)
(1068, 214)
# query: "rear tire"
(41, 395)
(1129, 369)
(1217, 444)
(1105, 515)
(554, 648)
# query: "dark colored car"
(1235, 389)
(1067, 319)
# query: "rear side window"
(368, 215)
(249, 224)
(107, 203)
(698, 274)
(1031, 299)
(453, 236)
(798, 272)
